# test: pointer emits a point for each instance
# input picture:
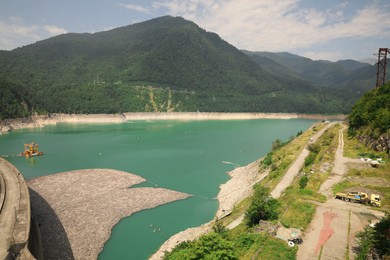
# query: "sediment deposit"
(76, 210)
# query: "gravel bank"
(233, 191)
(37, 121)
(76, 210)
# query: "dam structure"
(20, 236)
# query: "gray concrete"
(15, 215)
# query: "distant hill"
(356, 77)
(167, 64)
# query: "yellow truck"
(360, 197)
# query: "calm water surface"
(183, 156)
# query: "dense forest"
(12, 102)
(164, 64)
(370, 118)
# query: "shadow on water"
(55, 242)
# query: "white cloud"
(137, 8)
(16, 34)
(332, 56)
(54, 30)
(279, 25)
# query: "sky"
(317, 29)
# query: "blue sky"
(318, 29)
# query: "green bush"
(262, 207)
(303, 182)
(267, 160)
(220, 229)
(211, 246)
(374, 243)
(310, 159)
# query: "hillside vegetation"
(161, 61)
(13, 103)
(370, 119)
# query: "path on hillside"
(288, 178)
(297, 165)
(331, 233)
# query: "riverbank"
(77, 210)
(239, 187)
(37, 121)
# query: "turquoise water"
(183, 156)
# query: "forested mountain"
(164, 64)
(353, 78)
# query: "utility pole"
(381, 66)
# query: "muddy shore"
(37, 121)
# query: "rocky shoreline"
(37, 121)
(239, 187)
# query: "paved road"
(288, 177)
(296, 166)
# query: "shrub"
(315, 148)
(374, 243)
(310, 158)
(262, 207)
(303, 182)
(211, 246)
(220, 229)
(267, 160)
(276, 144)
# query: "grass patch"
(339, 187)
(355, 149)
(383, 171)
(296, 211)
(267, 247)
(297, 214)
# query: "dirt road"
(331, 234)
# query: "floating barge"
(31, 150)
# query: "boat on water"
(31, 150)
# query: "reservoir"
(186, 156)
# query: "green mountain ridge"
(322, 73)
(164, 64)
